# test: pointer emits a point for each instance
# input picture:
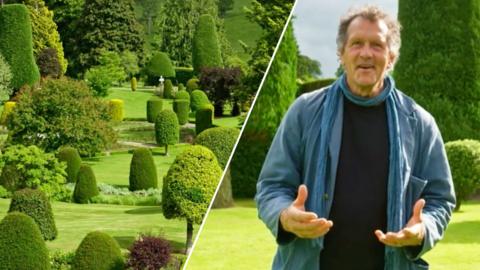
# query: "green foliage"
(181, 87)
(60, 260)
(314, 85)
(99, 80)
(204, 118)
(224, 6)
(31, 167)
(7, 110)
(143, 173)
(183, 94)
(130, 63)
(308, 69)
(438, 64)
(34, 203)
(116, 109)
(86, 186)
(183, 74)
(16, 45)
(464, 160)
(70, 156)
(192, 84)
(4, 193)
(167, 129)
(220, 140)
(62, 112)
(160, 65)
(154, 107)
(48, 63)
(168, 89)
(98, 251)
(206, 50)
(21, 244)
(105, 25)
(110, 70)
(182, 109)
(133, 84)
(198, 99)
(190, 183)
(5, 78)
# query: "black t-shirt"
(360, 197)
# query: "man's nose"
(366, 51)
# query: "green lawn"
(236, 239)
(124, 223)
(134, 102)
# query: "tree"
(160, 65)
(167, 129)
(219, 84)
(224, 6)
(189, 186)
(5, 78)
(130, 63)
(206, 50)
(48, 63)
(109, 71)
(106, 25)
(439, 65)
(308, 69)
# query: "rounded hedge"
(34, 203)
(86, 186)
(154, 107)
(116, 109)
(190, 184)
(204, 118)
(183, 94)
(16, 44)
(167, 129)
(192, 84)
(70, 156)
(7, 110)
(168, 89)
(143, 173)
(98, 251)
(133, 84)
(160, 65)
(182, 107)
(21, 244)
(220, 140)
(464, 160)
(198, 98)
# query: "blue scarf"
(395, 212)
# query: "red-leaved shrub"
(149, 253)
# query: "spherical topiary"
(116, 109)
(98, 251)
(182, 107)
(160, 65)
(168, 89)
(16, 44)
(70, 156)
(220, 140)
(86, 186)
(167, 129)
(182, 94)
(204, 118)
(464, 160)
(198, 99)
(192, 84)
(143, 173)
(149, 253)
(7, 109)
(133, 84)
(154, 107)
(21, 244)
(34, 203)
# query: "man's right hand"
(303, 224)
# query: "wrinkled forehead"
(361, 26)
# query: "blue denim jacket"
(293, 160)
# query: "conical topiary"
(34, 203)
(21, 244)
(70, 156)
(143, 174)
(86, 186)
(98, 251)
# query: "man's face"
(366, 56)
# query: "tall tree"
(307, 68)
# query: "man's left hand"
(411, 235)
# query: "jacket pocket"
(414, 191)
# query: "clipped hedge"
(206, 50)
(143, 173)
(168, 89)
(21, 244)
(204, 118)
(167, 129)
(198, 98)
(314, 85)
(220, 140)
(160, 65)
(7, 110)
(98, 251)
(34, 203)
(133, 84)
(72, 158)
(192, 84)
(183, 74)
(86, 186)
(464, 160)
(116, 109)
(16, 44)
(183, 94)
(182, 108)
(154, 107)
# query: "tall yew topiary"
(182, 109)
(168, 89)
(143, 173)
(439, 63)
(34, 203)
(167, 129)
(16, 44)
(206, 50)
(154, 107)
(204, 118)
(189, 186)
(86, 186)
(21, 244)
(70, 156)
(98, 251)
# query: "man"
(357, 176)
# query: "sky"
(316, 23)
